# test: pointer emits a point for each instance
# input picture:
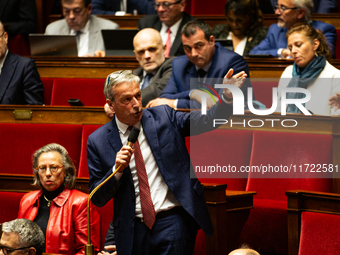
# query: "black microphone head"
(133, 135)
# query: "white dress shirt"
(2, 61)
(161, 196)
(82, 39)
(174, 28)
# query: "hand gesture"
(236, 80)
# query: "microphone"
(89, 248)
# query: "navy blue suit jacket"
(276, 38)
(183, 70)
(111, 6)
(165, 130)
(20, 82)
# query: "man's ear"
(301, 14)
(212, 40)
(32, 251)
(111, 105)
(183, 4)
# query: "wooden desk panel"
(79, 67)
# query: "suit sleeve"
(329, 32)
(98, 175)
(325, 6)
(26, 15)
(266, 46)
(32, 85)
(80, 227)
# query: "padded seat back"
(88, 91)
(48, 84)
(263, 91)
(87, 130)
(289, 150)
(20, 141)
(221, 148)
(319, 234)
(10, 202)
(19, 45)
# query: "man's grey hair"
(30, 234)
(308, 5)
(113, 79)
(69, 167)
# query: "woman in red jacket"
(58, 209)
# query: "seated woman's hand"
(334, 101)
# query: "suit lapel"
(113, 136)
(150, 131)
(191, 73)
(158, 25)
(7, 73)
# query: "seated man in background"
(21, 235)
(110, 7)
(18, 16)
(79, 21)
(204, 59)
(155, 70)
(291, 12)
(321, 6)
(169, 21)
(19, 79)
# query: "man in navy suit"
(19, 79)
(291, 12)
(177, 202)
(204, 57)
(110, 7)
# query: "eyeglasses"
(7, 251)
(283, 8)
(53, 169)
(2, 34)
(116, 75)
(165, 5)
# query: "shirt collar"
(173, 28)
(123, 127)
(206, 68)
(84, 30)
(3, 61)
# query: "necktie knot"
(147, 80)
(201, 74)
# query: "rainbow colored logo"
(209, 93)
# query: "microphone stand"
(89, 248)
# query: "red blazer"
(66, 231)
